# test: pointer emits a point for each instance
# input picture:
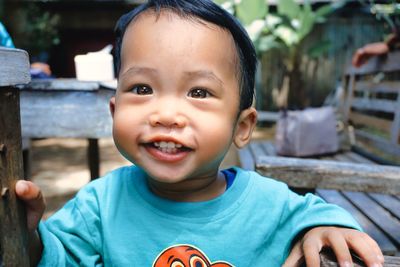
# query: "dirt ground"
(59, 166)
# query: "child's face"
(176, 108)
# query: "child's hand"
(340, 240)
(35, 205)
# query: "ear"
(244, 127)
(112, 106)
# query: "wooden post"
(14, 69)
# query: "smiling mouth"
(168, 147)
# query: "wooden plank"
(349, 90)
(392, 87)
(389, 202)
(257, 149)
(14, 67)
(79, 114)
(267, 116)
(374, 104)
(382, 218)
(328, 259)
(61, 85)
(335, 197)
(362, 119)
(378, 142)
(309, 173)
(395, 130)
(386, 63)
(356, 158)
(246, 158)
(93, 158)
(13, 229)
(269, 148)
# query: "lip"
(166, 157)
(159, 155)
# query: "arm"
(341, 240)
(35, 206)
(312, 224)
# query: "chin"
(167, 177)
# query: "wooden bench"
(372, 106)
(370, 192)
(14, 70)
(378, 213)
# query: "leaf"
(267, 43)
(289, 8)
(288, 35)
(271, 21)
(319, 48)
(307, 22)
(249, 10)
(255, 29)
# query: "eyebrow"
(140, 70)
(204, 74)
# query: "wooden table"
(68, 108)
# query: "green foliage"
(40, 30)
(284, 30)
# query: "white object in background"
(95, 66)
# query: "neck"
(193, 190)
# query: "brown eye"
(142, 90)
(199, 93)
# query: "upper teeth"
(164, 144)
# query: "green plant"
(283, 32)
(388, 12)
(40, 30)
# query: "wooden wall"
(346, 33)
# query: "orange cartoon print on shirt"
(185, 256)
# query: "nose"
(168, 116)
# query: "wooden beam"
(385, 63)
(358, 118)
(14, 67)
(378, 142)
(387, 87)
(325, 174)
(328, 259)
(389, 106)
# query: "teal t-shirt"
(117, 221)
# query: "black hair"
(208, 11)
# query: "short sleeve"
(304, 212)
(72, 237)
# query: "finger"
(295, 257)
(34, 201)
(339, 245)
(367, 249)
(311, 248)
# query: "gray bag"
(308, 132)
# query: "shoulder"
(261, 183)
(264, 189)
(112, 182)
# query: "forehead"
(152, 37)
